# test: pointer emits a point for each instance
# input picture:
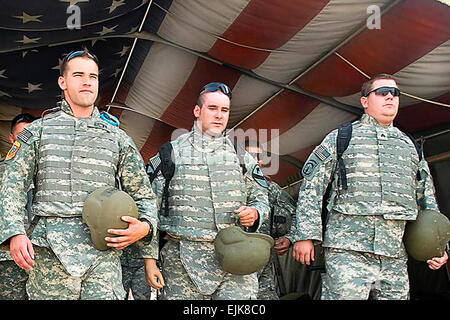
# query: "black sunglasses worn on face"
(214, 86)
(383, 91)
(75, 54)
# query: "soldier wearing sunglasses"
(364, 253)
(69, 153)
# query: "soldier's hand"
(22, 252)
(303, 251)
(247, 216)
(282, 245)
(136, 230)
(152, 274)
(437, 262)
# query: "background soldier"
(70, 153)
(369, 206)
(208, 187)
(279, 226)
(12, 278)
(133, 274)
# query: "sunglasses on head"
(79, 53)
(383, 91)
(214, 86)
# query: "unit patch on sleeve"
(12, 152)
(259, 177)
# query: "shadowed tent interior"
(295, 67)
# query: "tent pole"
(131, 52)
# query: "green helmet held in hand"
(241, 252)
(427, 236)
(103, 209)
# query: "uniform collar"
(65, 107)
(369, 120)
(205, 143)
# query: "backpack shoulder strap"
(163, 162)
(240, 152)
(342, 142)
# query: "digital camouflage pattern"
(51, 281)
(181, 260)
(364, 218)
(60, 226)
(356, 275)
(207, 186)
(12, 280)
(133, 274)
(267, 281)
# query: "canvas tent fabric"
(295, 67)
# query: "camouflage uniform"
(133, 274)
(207, 186)
(365, 225)
(279, 224)
(69, 158)
(12, 278)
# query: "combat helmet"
(102, 210)
(427, 236)
(241, 252)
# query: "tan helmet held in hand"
(103, 209)
(241, 252)
(427, 236)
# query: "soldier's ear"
(62, 83)
(364, 102)
(197, 111)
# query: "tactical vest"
(381, 165)
(204, 191)
(75, 157)
(2, 169)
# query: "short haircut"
(86, 54)
(212, 87)
(22, 117)
(367, 86)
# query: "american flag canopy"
(295, 66)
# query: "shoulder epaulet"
(50, 111)
(415, 143)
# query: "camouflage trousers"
(352, 275)
(134, 278)
(12, 281)
(49, 280)
(180, 286)
(266, 282)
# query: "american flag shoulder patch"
(322, 153)
(24, 135)
(153, 163)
